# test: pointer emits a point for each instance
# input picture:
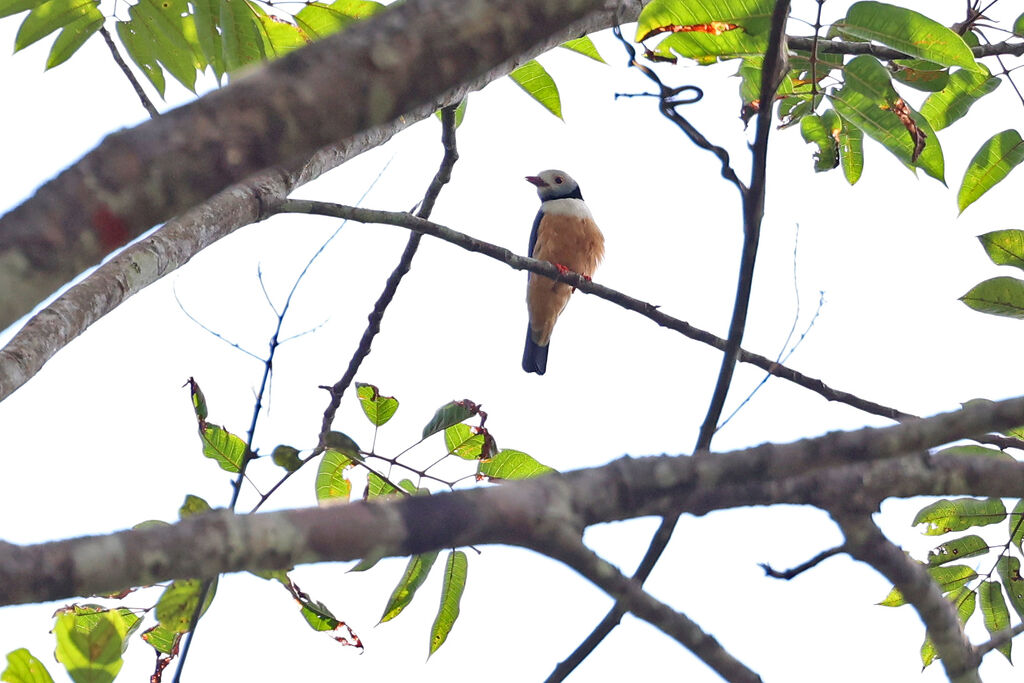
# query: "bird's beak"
(536, 181)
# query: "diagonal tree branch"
(175, 243)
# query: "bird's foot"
(562, 269)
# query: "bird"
(564, 234)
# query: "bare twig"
(804, 566)
(136, 86)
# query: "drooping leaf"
(377, 408)
(1009, 573)
(22, 667)
(224, 447)
(539, 85)
(949, 577)
(909, 32)
(995, 613)
(965, 601)
(851, 152)
(1001, 295)
(138, 43)
(1004, 247)
(207, 20)
(706, 31)
(1016, 520)
(241, 39)
(451, 595)
(451, 413)
(73, 36)
(90, 640)
(162, 21)
(415, 574)
(957, 549)
(999, 155)
(51, 15)
(869, 101)
(944, 516)
(817, 131)
(511, 465)
(950, 104)
(331, 483)
(177, 604)
(584, 46)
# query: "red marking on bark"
(110, 229)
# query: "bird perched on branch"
(565, 234)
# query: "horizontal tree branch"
(139, 265)
(861, 467)
(842, 47)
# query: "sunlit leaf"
(463, 441)
(193, 505)
(163, 22)
(90, 640)
(957, 549)
(509, 465)
(816, 130)
(1009, 573)
(949, 577)
(974, 451)
(965, 87)
(921, 74)
(415, 574)
(242, 42)
(279, 36)
(965, 601)
(451, 595)
(539, 85)
(999, 155)
(944, 516)
(1004, 247)
(320, 19)
(161, 638)
(9, 7)
(73, 36)
(1016, 520)
(177, 604)
(331, 483)
(138, 43)
(995, 613)
(1003, 295)
(224, 447)
(451, 413)
(207, 20)
(851, 152)
(707, 30)
(585, 46)
(49, 16)
(909, 32)
(377, 408)
(22, 667)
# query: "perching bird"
(564, 233)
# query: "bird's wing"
(533, 233)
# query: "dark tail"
(535, 356)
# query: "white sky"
(104, 436)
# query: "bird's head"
(554, 184)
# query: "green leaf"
(957, 549)
(1016, 521)
(193, 505)
(971, 451)
(331, 483)
(451, 413)
(161, 639)
(224, 447)
(965, 601)
(166, 28)
(451, 594)
(1009, 572)
(202, 410)
(585, 46)
(49, 16)
(1001, 295)
(22, 667)
(318, 19)
(867, 100)
(279, 36)
(921, 74)
(463, 441)
(995, 613)
(709, 30)
(90, 640)
(378, 409)
(951, 103)
(317, 615)
(539, 85)
(907, 31)
(817, 131)
(241, 40)
(73, 36)
(999, 155)
(510, 465)
(415, 574)
(1004, 247)
(851, 152)
(177, 604)
(9, 7)
(949, 577)
(138, 42)
(944, 516)
(1018, 26)
(207, 21)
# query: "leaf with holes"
(707, 31)
(377, 408)
(1009, 573)
(999, 155)
(851, 152)
(944, 516)
(957, 549)
(819, 130)
(331, 482)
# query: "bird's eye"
(559, 180)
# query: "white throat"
(566, 207)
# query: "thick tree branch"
(862, 467)
(865, 541)
(24, 284)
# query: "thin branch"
(648, 310)
(839, 47)
(136, 86)
(803, 567)
(566, 546)
(999, 639)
